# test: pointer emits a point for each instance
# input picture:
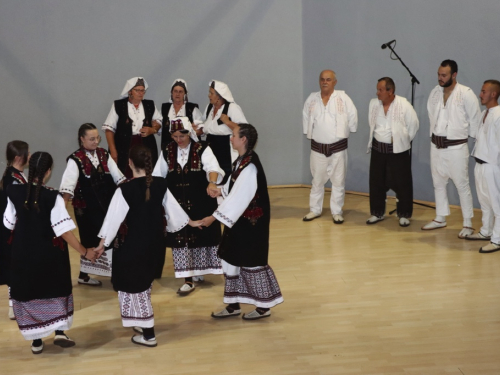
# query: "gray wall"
(347, 36)
(63, 62)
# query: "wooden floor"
(359, 299)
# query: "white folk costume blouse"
(401, 119)
(331, 123)
(210, 125)
(236, 202)
(460, 117)
(118, 209)
(197, 116)
(136, 115)
(72, 173)
(487, 145)
(208, 160)
(59, 217)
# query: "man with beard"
(487, 170)
(454, 116)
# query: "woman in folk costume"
(192, 171)
(138, 211)
(90, 179)
(245, 213)
(40, 278)
(178, 106)
(222, 115)
(132, 120)
(17, 156)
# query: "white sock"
(468, 223)
(440, 218)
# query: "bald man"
(487, 170)
(328, 117)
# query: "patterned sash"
(329, 149)
(383, 148)
(443, 142)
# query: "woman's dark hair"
(248, 131)
(183, 131)
(180, 84)
(15, 148)
(141, 157)
(219, 95)
(40, 163)
(83, 130)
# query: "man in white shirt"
(487, 170)
(454, 116)
(328, 117)
(393, 125)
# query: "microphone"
(384, 46)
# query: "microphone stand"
(414, 79)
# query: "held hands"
(213, 191)
(195, 223)
(207, 221)
(90, 254)
(99, 249)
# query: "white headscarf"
(223, 90)
(186, 125)
(130, 84)
(173, 84)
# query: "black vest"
(35, 257)
(246, 244)
(220, 144)
(92, 195)
(135, 259)
(11, 175)
(97, 190)
(166, 137)
(225, 109)
(123, 133)
(189, 186)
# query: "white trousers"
(488, 193)
(451, 164)
(331, 168)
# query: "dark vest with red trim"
(166, 137)
(189, 186)
(95, 186)
(246, 244)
